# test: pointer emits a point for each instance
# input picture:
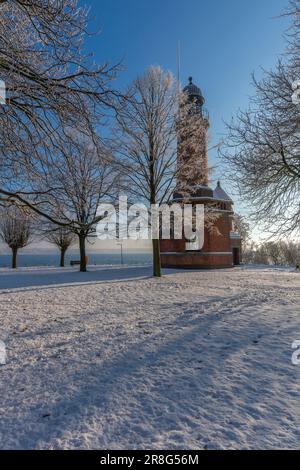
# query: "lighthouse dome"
(194, 91)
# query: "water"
(113, 258)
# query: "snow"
(117, 359)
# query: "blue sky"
(222, 43)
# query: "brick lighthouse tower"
(222, 246)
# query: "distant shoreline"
(130, 258)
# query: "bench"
(74, 263)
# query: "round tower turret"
(194, 93)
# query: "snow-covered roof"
(220, 194)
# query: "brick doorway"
(236, 256)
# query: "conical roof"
(220, 194)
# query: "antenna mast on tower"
(178, 64)
(178, 73)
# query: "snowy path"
(195, 360)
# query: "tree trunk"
(62, 257)
(156, 258)
(82, 238)
(155, 243)
(14, 258)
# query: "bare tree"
(248, 252)
(51, 85)
(293, 33)
(73, 182)
(146, 134)
(148, 127)
(263, 144)
(241, 226)
(276, 252)
(63, 239)
(291, 252)
(261, 255)
(15, 230)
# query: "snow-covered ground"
(116, 359)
